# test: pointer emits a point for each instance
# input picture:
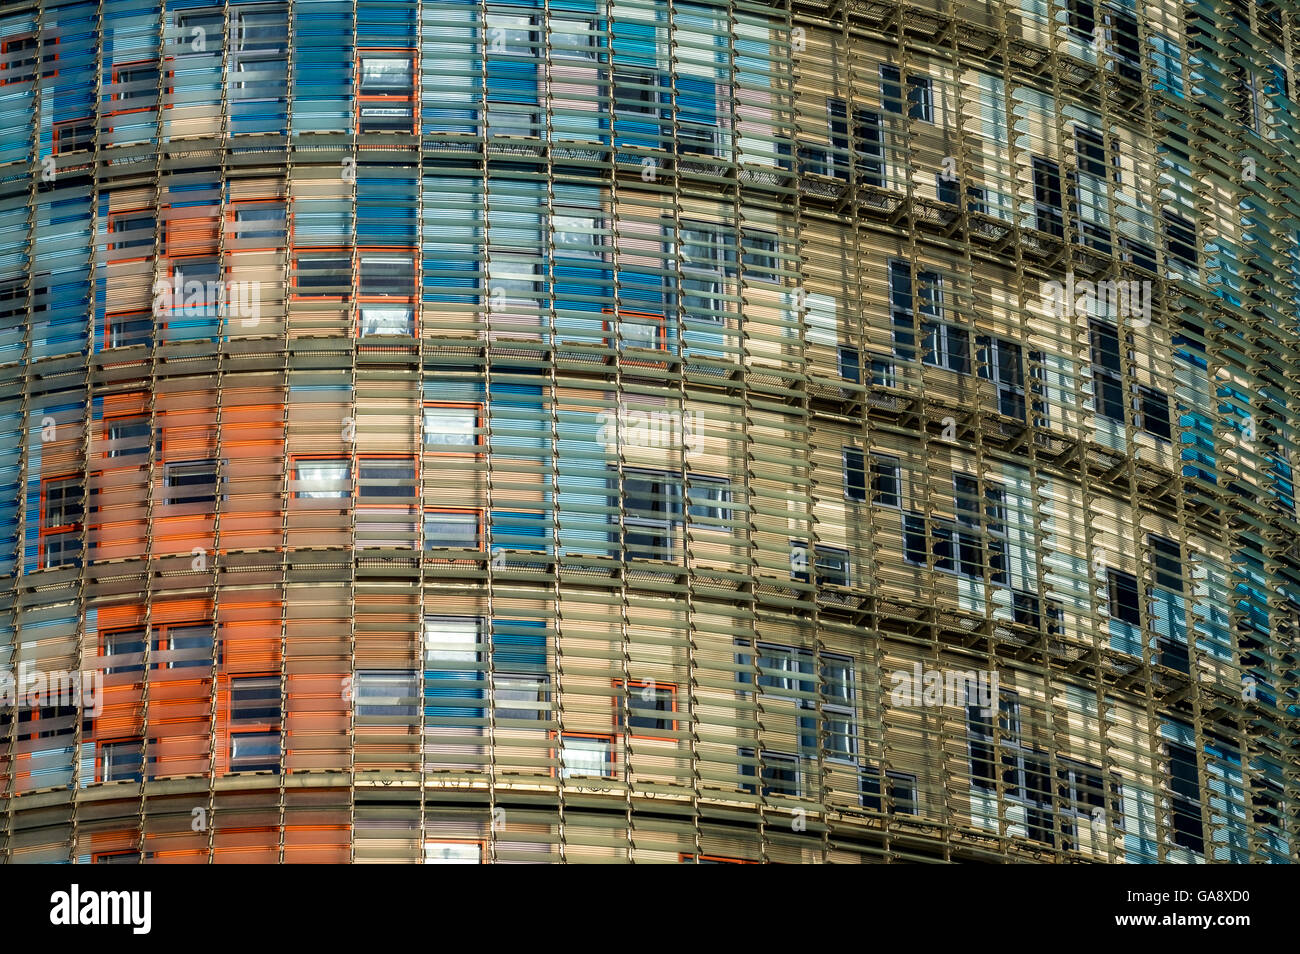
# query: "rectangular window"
(255, 713)
(129, 436)
(190, 482)
(1001, 362)
(453, 529)
(1090, 152)
(453, 853)
(886, 481)
(653, 508)
(386, 478)
(123, 651)
(708, 498)
(778, 773)
(850, 364)
(902, 791)
(1167, 563)
(73, 135)
(122, 761)
(636, 94)
(1047, 197)
(1107, 371)
(131, 235)
(452, 428)
(385, 91)
(259, 223)
(920, 94)
(572, 39)
(512, 119)
(1154, 413)
(386, 320)
(946, 346)
(651, 708)
(386, 275)
(184, 646)
(322, 477)
(855, 475)
(63, 508)
(839, 708)
(869, 128)
(586, 756)
(1123, 593)
(511, 35)
(135, 87)
(1185, 808)
(1180, 239)
(521, 696)
(452, 642)
(383, 697)
(323, 275)
(18, 57)
(255, 751)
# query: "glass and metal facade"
(579, 430)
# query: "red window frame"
(608, 326)
(37, 64)
(42, 530)
(164, 77)
(634, 685)
(118, 214)
(480, 537)
(413, 100)
(364, 299)
(62, 124)
(479, 445)
(577, 780)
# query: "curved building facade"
(648, 430)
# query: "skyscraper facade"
(648, 430)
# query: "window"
(129, 436)
(1026, 610)
(1167, 561)
(571, 39)
(63, 508)
(451, 428)
(190, 482)
(920, 95)
(386, 275)
(651, 708)
(386, 478)
(576, 235)
(1090, 152)
(778, 773)
(135, 87)
(708, 256)
(521, 696)
(123, 651)
(385, 91)
(832, 564)
(708, 498)
(901, 310)
(385, 696)
(323, 275)
(636, 93)
(1180, 239)
(1185, 808)
(255, 714)
(1123, 594)
(855, 477)
(184, 646)
(73, 135)
(991, 518)
(902, 791)
(946, 346)
(1107, 371)
(1000, 361)
(386, 320)
(759, 255)
(510, 35)
(453, 853)
(124, 330)
(1047, 197)
(453, 529)
(131, 235)
(512, 119)
(1082, 17)
(322, 477)
(850, 364)
(452, 642)
(1154, 413)
(18, 57)
(839, 710)
(259, 223)
(886, 481)
(652, 504)
(122, 761)
(586, 755)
